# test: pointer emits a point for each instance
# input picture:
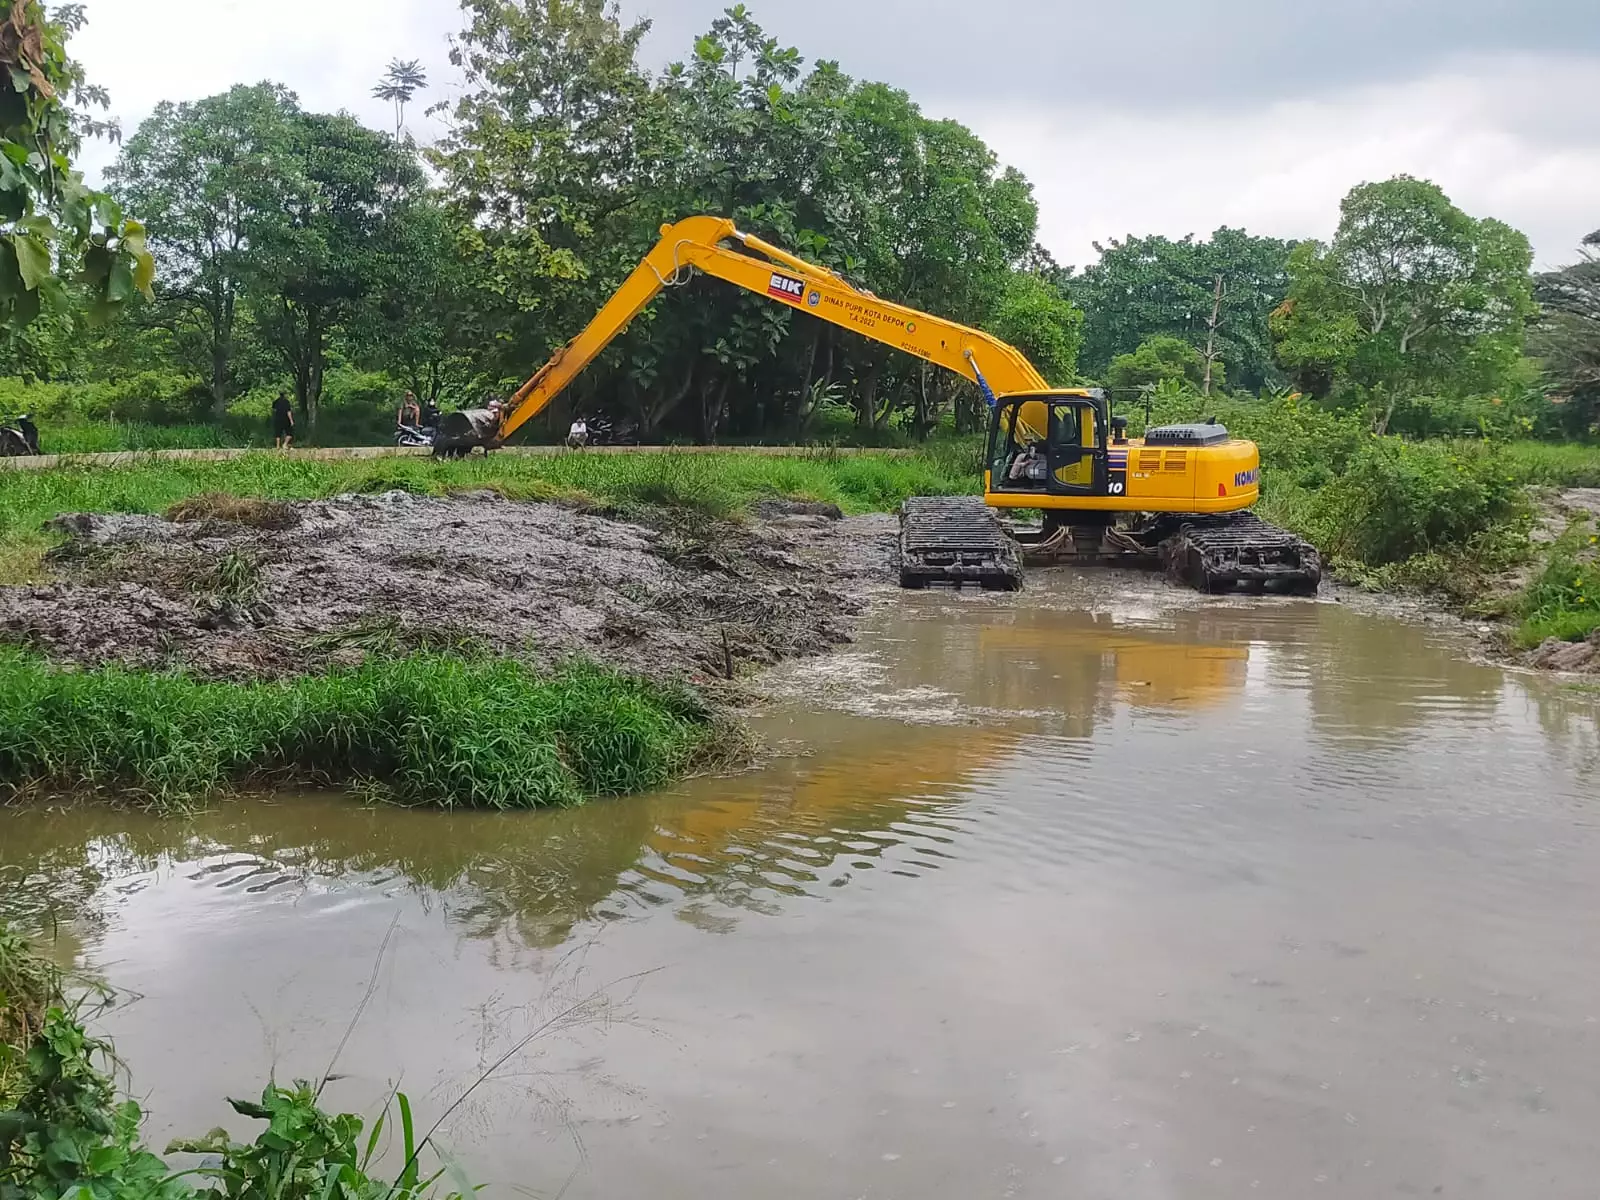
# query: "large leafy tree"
(315, 268)
(55, 233)
(1411, 296)
(1567, 337)
(212, 176)
(1159, 360)
(1144, 287)
(550, 144)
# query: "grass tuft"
(240, 510)
(427, 729)
(1563, 600)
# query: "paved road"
(124, 458)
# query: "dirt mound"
(1556, 655)
(273, 591)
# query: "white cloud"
(329, 51)
(1284, 169)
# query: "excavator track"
(1238, 550)
(956, 540)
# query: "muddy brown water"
(1101, 890)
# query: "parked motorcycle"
(414, 435)
(603, 432)
(20, 438)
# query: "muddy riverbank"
(252, 589)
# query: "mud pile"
(273, 589)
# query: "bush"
(1400, 499)
(358, 409)
(154, 397)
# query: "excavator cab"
(1051, 444)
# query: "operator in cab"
(1030, 466)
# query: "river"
(1101, 890)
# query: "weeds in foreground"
(427, 729)
(64, 1133)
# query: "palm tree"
(403, 80)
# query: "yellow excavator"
(1179, 495)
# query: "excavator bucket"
(460, 433)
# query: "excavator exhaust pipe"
(460, 433)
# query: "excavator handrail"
(696, 244)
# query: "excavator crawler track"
(1239, 550)
(956, 540)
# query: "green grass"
(714, 485)
(1563, 600)
(1555, 464)
(431, 729)
(103, 437)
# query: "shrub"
(155, 397)
(1399, 499)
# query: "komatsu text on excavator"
(1179, 495)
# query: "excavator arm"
(699, 244)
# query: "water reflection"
(1051, 895)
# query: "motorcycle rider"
(29, 432)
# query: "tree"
(53, 229)
(1038, 320)
(543, 161)
(1567, 337)
(1412, 295)
(210, 175)
(1148, 286)
(417, 323)
(400, 85)
(347, 189)
(1157, 360)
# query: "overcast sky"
(1130, 116)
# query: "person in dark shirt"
(282, 422)
(430, 414)
(29, 431)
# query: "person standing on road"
(282, 423)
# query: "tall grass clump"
(1563, 600)
(429, 729)
(106, 437)
(30, 984)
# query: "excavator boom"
(698, 244)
